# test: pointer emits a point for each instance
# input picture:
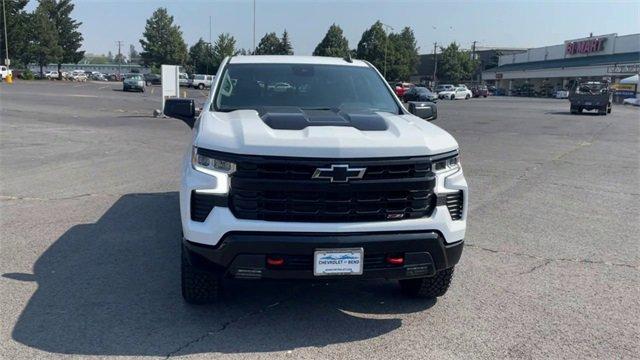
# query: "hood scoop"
(293, 118)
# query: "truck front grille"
(282, 189)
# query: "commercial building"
(545, 69)
(487, 57)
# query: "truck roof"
(289, 59)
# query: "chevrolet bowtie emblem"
(339, 173)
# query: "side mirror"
(424, 110)
(183, 109)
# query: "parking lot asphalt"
(90, 241)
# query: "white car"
(202, 81)
(78, 75)
(4, 72)
(562, 94)
(444, 87)
(457, 93)
(51, 75)
(344, 184)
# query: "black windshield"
(254, 86)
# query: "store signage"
(624, 69)
(587, 46)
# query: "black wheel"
(453, 97)
(148, 83)
(428, 288)
(609, 108)
(199, 287)
(200, 86)
(484, 95)
(580, 109)
(573, 110)
(467, 97)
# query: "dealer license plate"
(338, 262)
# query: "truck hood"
(245, 132)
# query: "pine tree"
(373, 46)
(285, 44)
(44, 45)
(224, 46)
(162, 42)
(18, 24)
(270, 44)
(333, 44)
(69, 38)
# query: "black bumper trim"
(243, 254)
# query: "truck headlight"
(446, 165)
(211, 166)
(220, 169)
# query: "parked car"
(152, 79)
(480, 90)
(51, 75)
(184, 80)
(346, 212)
(97, 76)
(78, 75)
(402, 88)
(561, 94)
(457, 93)
(4, 72)
(443, 87)
(201, 81)
(418, 93)
(133, 82)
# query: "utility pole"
(119, 55)
(435, 62)
(7, 62)
(473, 55)
(254, 26)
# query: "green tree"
(120, 59)
(18, 24)
(455, 65)
(201, 57)
(69, 38)
(333, 44)
(285, 44)
(269, 45)
(224, 46)
(134, 57)
(162, 42)
(44, 45)
(403, 59)
(373, 45)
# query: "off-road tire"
(199, 287)
(430, 287)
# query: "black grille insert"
(454, 203)
(202, 204)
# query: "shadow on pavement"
(113, 288)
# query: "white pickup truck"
(328, 178)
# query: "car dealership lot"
(89, 252)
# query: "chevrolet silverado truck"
(330, 178)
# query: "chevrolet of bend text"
(311, 168)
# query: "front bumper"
(243, 255)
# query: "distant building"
(103, 68)
(487, 57)
(555, 67)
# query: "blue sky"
(491, 23)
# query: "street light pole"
(7, 62)
(386, 44)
